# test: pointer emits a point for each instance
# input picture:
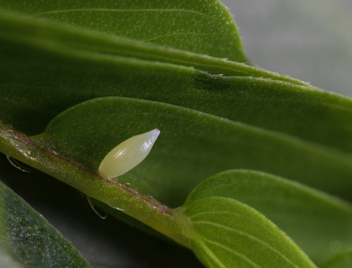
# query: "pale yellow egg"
(128, 154)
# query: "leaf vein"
(250, 237)
(174, 34)
(210, 254)
(232, 251)
(124, 10)
(212, 212)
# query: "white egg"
(128, 154)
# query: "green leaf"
(321, 34)
(47, 68)
(342, 260)
(43, 76)
(204, 27)
(227, 233)
(176, 224)
(314, 220)
(27, 238)
(191, 147)
(108, 243)
(61, 39)
(86, 179)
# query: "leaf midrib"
(118, 46)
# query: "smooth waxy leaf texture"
(27, 239)
(227, 233)
(342, 260)
(204, 27)
(314, 220)
(191, 147)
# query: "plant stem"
(86, 179)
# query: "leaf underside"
(314, 220)
(85, 76)
(191, 147)
(227, 233)
(28, 239)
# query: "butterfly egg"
(128, 154)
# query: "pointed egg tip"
(128, 154)
(154, 134)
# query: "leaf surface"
(342, 260)
(43, 75)
(191, 147)
(47, 68)
(27, 239)
(227, 233)
(314, 220)
(204, 27)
